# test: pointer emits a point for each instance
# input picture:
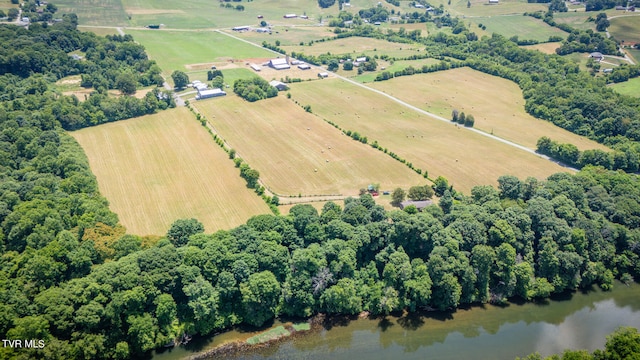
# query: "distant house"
(255, 67)
(279, 64)
(209, 93)
(290, 16)
(420, 205)
(200, 86)
(241, 28)
(596, 56)
(304, 67)
(263, 30)
(76, 57)
(607, 71)
(279, 85)
(323, 75)
(304, 17)
(361, 59)
(494, 2)
(418, 6)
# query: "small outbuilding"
(241, 28)
(279, 85)
(255, 67)
(209, 93)
(323, 75)
(494, 2)
(290, 16)
(420, 205)
(304, 67)
(596, 56)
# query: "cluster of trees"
(570, 155)
(415, 193)
(254, 89)
(602, 23)
(558, 6)
(374, 14)
(597, 5)
(326, 3)
(588, 41)
(624, 343)
(462, 119)
(526, 239)
(410, 70)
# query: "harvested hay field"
(496, 104)
(524, 27)
(464, 157)
(626, 28)
(163, 167)
(545, 48)
(298, 153)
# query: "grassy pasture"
(174, 50)
(545, 48)
(159, 168)
(396, 66)
(206, 14)
(286, 35)
(525, 27)
(464, 157)
(497, 104)
(357, 46)
(482, 7)
(576, 19)
(287, 145)
(634, 54)
(95, 12)
(630, 87)
(626, 27)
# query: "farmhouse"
(418, 6)
(304, 67)
(279, 85)
(420, 205)
(596, 56)
(209, 93)
(279, 64)
(255, 67)
(290, 16)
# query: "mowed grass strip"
(465, 158)
(545, 48)
(497, 104)
(524, 27)
(630, 87)
(163, 167)
(297, 152)
(174, 50)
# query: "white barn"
(279, 64)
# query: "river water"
(575, 321)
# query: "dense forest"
(71, 276)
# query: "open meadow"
(298, 153)
(496, 104)
(99, 30)
(626, 28)
(464, 157)
(287, 35)
(163, 167)
(369, 76)
(176, 50)
(524, 27)
(630, 87)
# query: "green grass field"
(396, 66)
(635, 54)
(176, 50)
(482, 7)
(269, 335)
(497, 104)
(163, 167)
(286, 35)
(626, 28)
(464, 157)
(95, 12)
(357, 46)
(101, 31)
(298, 153)
(630, 87)
(524, 27)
